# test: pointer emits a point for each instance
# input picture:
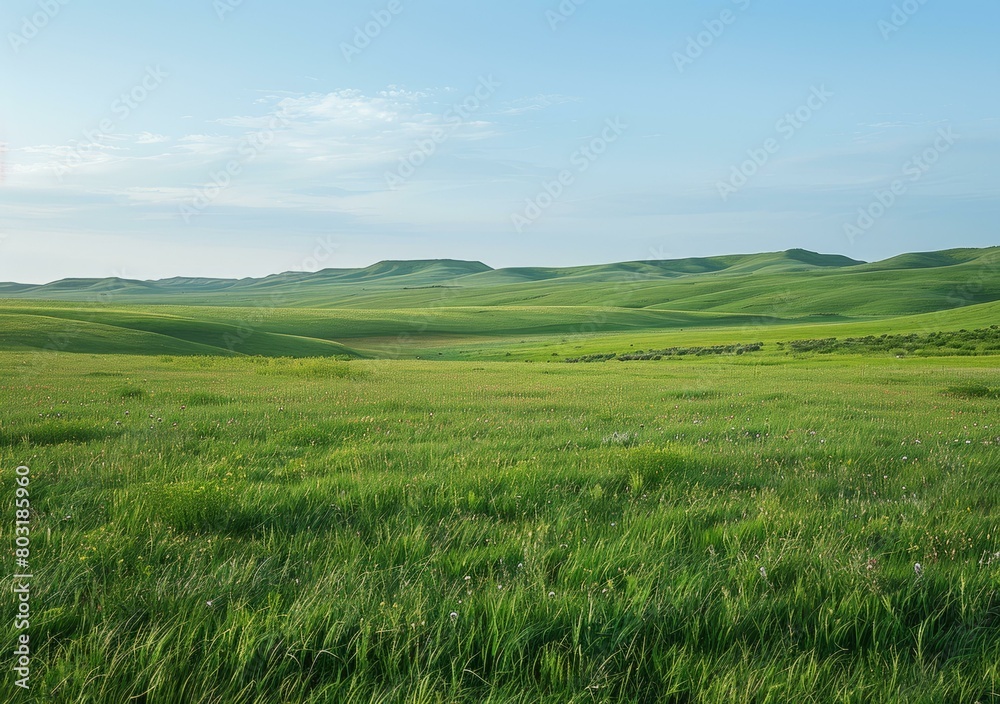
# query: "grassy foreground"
(704, 530)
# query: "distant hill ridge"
(738, 282)
(446, 269)
(384, 309)
(432, 268)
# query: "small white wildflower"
(208, 604)
(918, 569)
(551, 594)
(453, 615)
(763, 573)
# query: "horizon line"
(489, 267)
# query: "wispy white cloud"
(536, 102)
(337, 135)
(287, 145)
(150, 138)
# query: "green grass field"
(261, 503)
(250, 530)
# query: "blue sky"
(228, 138)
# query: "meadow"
(767, 478)
(712, 529)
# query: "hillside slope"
(392, 308)
(795, 283)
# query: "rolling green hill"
(795, 283)
(442, 307)
(81, 329)
(385, 276)
(930, 260)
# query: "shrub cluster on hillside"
(641, 355)
(983, 341)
